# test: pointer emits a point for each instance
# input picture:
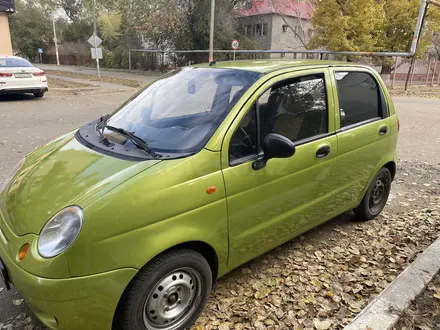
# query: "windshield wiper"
(100, 126)
(138, 142)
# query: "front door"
(269, 206)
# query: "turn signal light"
(211, 190)
(23, 252)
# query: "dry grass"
(59, 83)
(90, 77)
(418, 91)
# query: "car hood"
(58, 175)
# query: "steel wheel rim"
(173, 299)
(379, 194)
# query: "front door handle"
(383, 130)
(322, 152)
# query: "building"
(277, 24)
(6, 8)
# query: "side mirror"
(275, 146)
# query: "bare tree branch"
(283, 17)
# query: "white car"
(18, 76)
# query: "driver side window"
(295, 108)
(244, 141)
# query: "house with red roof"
(277, 24)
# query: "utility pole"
(95, 34)
(55, 40)
(211, 33)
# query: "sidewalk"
(138, 76)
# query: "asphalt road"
(27, 123)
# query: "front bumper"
(87, 302)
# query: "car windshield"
(9, 62)
(179, 112)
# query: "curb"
(385, 310)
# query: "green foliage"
(110, 24)
(185, 24)
(30, 29)
(371, 25)
(75, 31)
(116, 58)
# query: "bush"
(116, 58)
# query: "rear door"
(363, 131)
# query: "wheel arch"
(205, 249)
(392, 167)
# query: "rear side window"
(359, 97)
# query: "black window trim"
(383, 105)
(361, 123)
(254, 157)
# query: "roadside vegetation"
(59, 83)
(362, 25)
(90, 77)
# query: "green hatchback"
(127, 221)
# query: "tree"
(370, 25)
(30, 29)
(436, 44)
(183, 24)
(351, 25)
(110, 24)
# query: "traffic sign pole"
(95, 35)
(55, 41)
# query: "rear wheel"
(376, 196)
(168, 294)
(39, 95)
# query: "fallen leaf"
(322, 325)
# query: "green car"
(127, 221)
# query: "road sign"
(40, 50)
(96, 50)
(95, 41)
(235, 44)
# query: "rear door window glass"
(359, 97)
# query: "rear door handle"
(383, 130)
(322, 152)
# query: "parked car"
(19, 76)
(128, 220)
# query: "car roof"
(266, 66)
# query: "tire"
(39, 95)
(180, 275)
(376, 196)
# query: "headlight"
(60, 232)
(9, 177)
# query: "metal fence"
(423, 72)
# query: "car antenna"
(212, 63)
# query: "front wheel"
(376, 196)
(168, 294)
